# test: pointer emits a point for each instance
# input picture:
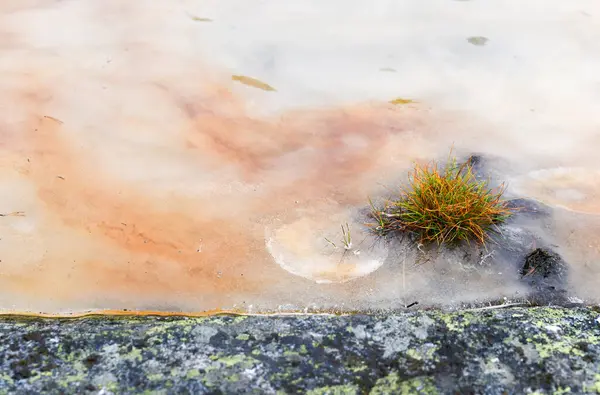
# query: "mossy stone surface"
(504, 351)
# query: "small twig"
(13, 214)
(481, 262)
(330, 242)
(54, 119)
(198, 19)
(412, 304)
(404, 273)
(347, 237)
(500, 306)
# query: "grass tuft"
(446, 206)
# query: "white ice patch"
(304, 251)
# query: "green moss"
(67, 357)
(422, 353)
(157, 330)
(163, 328)
(192, 374)
(238, 359)
(234, 378)
(155, 377)
(78, 374)
(547, 349)
(334, 390)
(6, 378)
(548, 314)
(387, 385)
(134, 355)
(412, 353)
(73, 378)
(291, 354)
(393, 384)
(232, 360)
(218, 320)
(561, 390)
(566, 344)
(595, 387)
(39, 376)
(359, 368)
(457, 322)
(243, 336)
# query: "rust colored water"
(156, 161)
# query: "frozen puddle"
(327, 256)
(191, 156)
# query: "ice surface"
(139, 173)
